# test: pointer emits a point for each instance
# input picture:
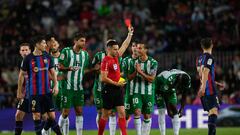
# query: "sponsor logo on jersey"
(45, 61)
(115, 66)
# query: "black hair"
(111, 42)
(144, 44)
(183, 80)
(37, 39)
(49, 36)
(78, 35)
(206, 43)
(25, 44)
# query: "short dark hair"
(206, 43)
(111, 42)
(37, 39)
(144, 44)
(49, 36)
(78, 35)
(25, 44)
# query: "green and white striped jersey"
(97, 59)
(56, 67)
(139, 85)
(166, 80)
(126, 65)
(69, 58)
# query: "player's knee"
(121, 114)
(51, 115)
(113, 114)
(45, 116)
(36, 116)
(146, 116)
(137, 112)
(79, 112)
(19, 116)
(65, 113)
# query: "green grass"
(220, 131)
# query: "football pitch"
(220, 131)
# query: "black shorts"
(23, 105)
(41, 103)
(209, 102)
(112, 96)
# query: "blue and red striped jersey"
(37, 68)
(206, 60)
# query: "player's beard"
(54, 50)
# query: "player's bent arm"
(20, 84)
(149, 78)
(204, 78)
(126, 42)
(107, 80)
(132, 76)
(63, 68)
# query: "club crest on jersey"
(165, 87)
(35, 69)
(45, 61)
(62, 56)
(115, 66)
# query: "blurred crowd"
(166, 26)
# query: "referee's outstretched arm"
(126, 42)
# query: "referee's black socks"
(212, 124)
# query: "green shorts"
(57, 101)
(166, 98)
(128, 104)
(143, 102)
(72, 98)
(58, 98)
(97, 95)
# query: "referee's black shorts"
(112, 96)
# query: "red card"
(128, 22)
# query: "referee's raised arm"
(126, 42)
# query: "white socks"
(64, 125)
(46, 132)
(146, 126)
(161, 121)
(138, 124)
(112, 125)
(176, 124)
(60, 122)
(79, 125)
(97, 119)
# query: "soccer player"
(208, 90)
(38, 65)
(97, 93)
(110, 75)
(22, 106)
(126, 62)
(53, 48)
(73, 62)
(142, 74)
(167, 85)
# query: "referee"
(110, 74)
